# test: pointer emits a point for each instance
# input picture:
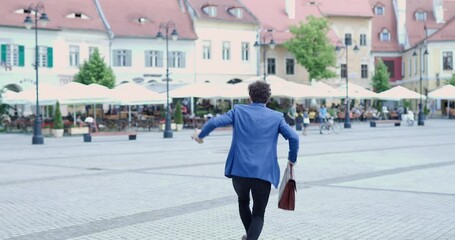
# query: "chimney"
(290, 8)
(400, 12)
(438, 11)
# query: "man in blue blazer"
(252, 162)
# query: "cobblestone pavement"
(364, 183)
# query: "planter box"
(57, 132)
(163, 126)
(77, 130)
(46, 132)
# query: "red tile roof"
(123, 17)
(387, 21)
(57, 11)
(274, 16)
(222, 10)
(446, 33)
(415, 29)
(347, 8)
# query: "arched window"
(236, 12)
(421, 16)
(77, 15)
(384, 35)
(379, 9)
(210, 10)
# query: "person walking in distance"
(252, 162)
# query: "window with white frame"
(10, 54)
(363, 39)
(245, 51)
(410, 66)
(122, 58)
(385, 35)
(74, 56)
(344, 71)
(403, 65)
(177, 59)
(447, 61)
(423, 63)
(290, 64)
(415, 66)
(364, 70)
(226, 50)
(42, 56)
(348, 39)
(390, 68)
(421, 16)
(271, 68)
(153, 58)
(379, 10)
(206, 49)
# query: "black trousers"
(253, 221)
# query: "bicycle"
(330, 126)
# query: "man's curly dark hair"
(259, 91)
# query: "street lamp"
(262, 43)
(174, 35)
(347, 43)
(420, 121)
(36, 9)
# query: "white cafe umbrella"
(134, 94)
(11, 98)
(445, 92)
(323, 90)
(200, 90)
(47, 95)
(398, 93)
(357, 92)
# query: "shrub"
(178, 117)
(58, 122)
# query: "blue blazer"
(253, 152)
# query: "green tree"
(380, 80)
(58, 122)
(452, 80)
(3, 107)
(178, 117)
(312, 48)
(95, 70)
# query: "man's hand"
(195, 136)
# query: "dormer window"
(25, 11)
(77, 15)
(384, 35)
(210, 10)
(421, 16)
(143, 20)
(379, 10)
(236, 12)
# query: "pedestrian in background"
(306, 121)
(252, 162)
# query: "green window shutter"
(21, 56)
(3, 59)
(50, 58)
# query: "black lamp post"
(263, 45)
(347, 43)
(36, 9)
(166, 26)
(420, 120)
